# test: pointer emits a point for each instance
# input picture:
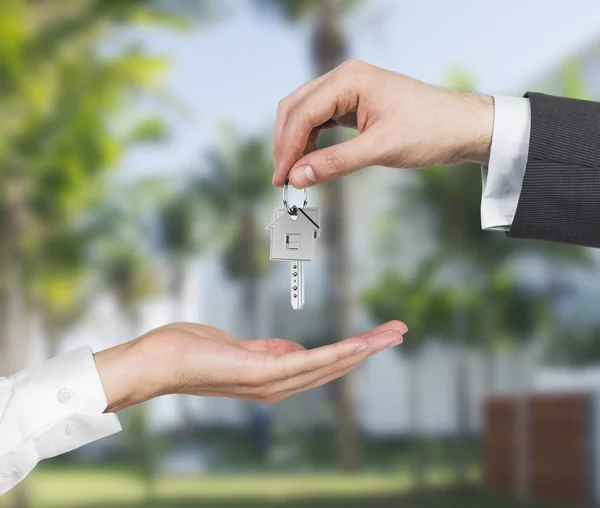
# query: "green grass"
(112, 488)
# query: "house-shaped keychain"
(293, 237)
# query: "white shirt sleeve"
(48, 410)
(503, 177)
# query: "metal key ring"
(292, 210)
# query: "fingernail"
(402, 327)
(362, 348)
(302, 177)
(310, 174)
(395, 343)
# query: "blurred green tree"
(234, 188)
(130, 276)
(179, 220)
(59, 143)
(58, 283)
(121, 264)
(232, 191)
(428, 306)
(491, 307)
(143, 451)
(181, 236)
(581, 350)
(62, 86)
(451, 198)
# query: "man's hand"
(402, 123)
(201, 360)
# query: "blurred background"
(135, 185)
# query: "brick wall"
(541, 445)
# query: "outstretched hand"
(196, 359)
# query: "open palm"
(208, 361)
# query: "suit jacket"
(560, 197)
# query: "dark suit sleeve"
(560, 197)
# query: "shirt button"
(72, 428)
(65, 395)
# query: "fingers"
(282, 346)
(298, 362)
(286, 106)
(332, 96)
(377, 342)
(302, 370)
(395, 325)
(268, 369)
(328, 378)
(334, 162)
(294, 364)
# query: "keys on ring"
(294, 233)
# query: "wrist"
(130, 373)
(475, 128)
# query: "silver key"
(297, 284)
(293, 237)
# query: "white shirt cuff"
(51, 409)
(503, 177)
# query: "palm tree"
(424, 305)
(450, 197)
(235, 187)
(329, 48)
(232, 192)
(473, 259)
(59, 145)
(129, 275)
(62, 97)
(58, 282)
(180, 238)
(124, 268)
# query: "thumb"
(333, 162)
